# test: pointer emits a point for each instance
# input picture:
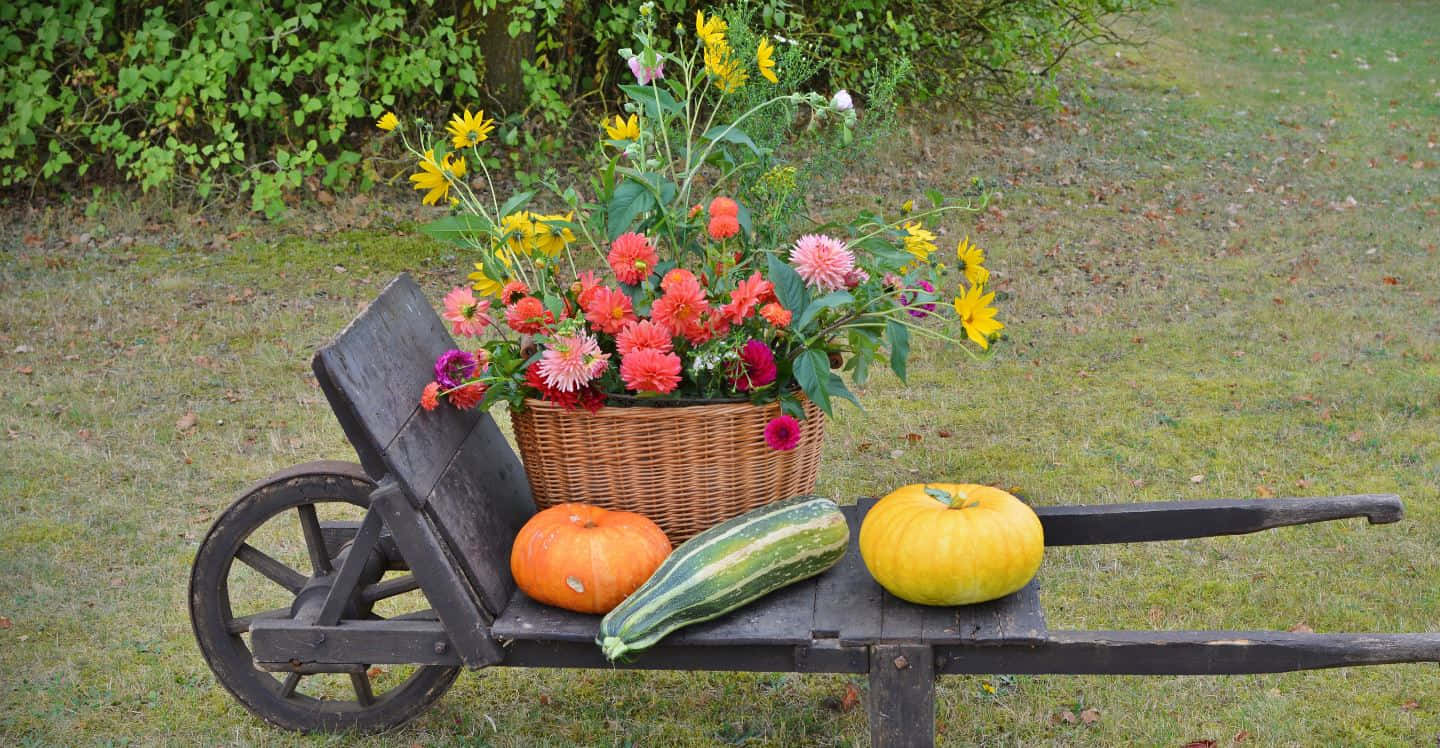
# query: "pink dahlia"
(649, 370)
(679, 278)
(682, 310)
(466, 315)
(468, 396)
(571, 361)
(782, 433)
(923, 310)
(632, 257)
(643, 334)
(822, 261)
(756, 367)
(608, 310)
(513, 291)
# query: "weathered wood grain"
(902, 696)
(1175, 520)
(847, 599)
(1190, 652)
(286, 644)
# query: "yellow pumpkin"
(951, 544)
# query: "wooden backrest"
(455, 466)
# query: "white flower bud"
(841, 101)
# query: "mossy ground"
(1223, 281)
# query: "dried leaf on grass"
(1200, 744)
(1090, 716)
(187, 421)
(1301, 628)
(851, 699)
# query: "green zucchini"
(727, 566)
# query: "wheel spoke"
(389, 588)
(314, 540)
(273, 570)
(242, 624)
(363, 694)
(287, 689)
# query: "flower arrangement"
(674, 281)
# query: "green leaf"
(812, 371)
(515, 202)
(631, 198)
(646, 96)
(459, 228)
(936, 199)
(789, 286)
(832, 299)
(837, 386)
(899, 346)
(732, 135)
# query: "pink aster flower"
(822, 261)
(571, 361)
(855, 277)
(649, 370)
(782, 433)
(644, 75)
(756, 367)
(643, 334)
(466, 315)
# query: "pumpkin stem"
(590, 523)
(954, 501)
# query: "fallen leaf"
(1409, 705)
(864, 446)
(1301, 628)
(1391, 280)
(1200, 744)
(913, 437)
(1138, 482)
(1317, 357)
(1265, 492)
(1090, 716)
(117, 582)
(1302, 483)
(5, 623)
(943, 434)
(851, 699)
(374, 672)
(26, 370)
(1067, 717)
(1197, 478)
(1241, 736)
(187, 421)
(1355, 436)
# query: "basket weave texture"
(687, 468)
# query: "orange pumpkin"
(585, 558)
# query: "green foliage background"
(260, 98)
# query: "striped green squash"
(726, 567)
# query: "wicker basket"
(686, 467)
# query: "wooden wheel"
(286, 531)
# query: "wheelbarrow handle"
(1176, 520)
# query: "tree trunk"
(504, 78)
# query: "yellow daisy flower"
(765, 60)
(388, 121)
(711, 31)
(623, 129)
(725, 69)
(977, 316)
(469, 130)
(531, 235)
(433, 176)
(972, 261)
(484, 285)
(918, 241)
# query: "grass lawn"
(1223, 281)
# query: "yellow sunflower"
(388, 121)
(765, 60)
(711, 31)
(468, 130)
(725, 69)
(531, 235)
(918, 241)
(624, 129)
(972, 261)
(977, 316)
(486, 285)
(435, 176)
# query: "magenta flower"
(925, 310)
(453, 367)
(644, 75)
(782, 433)
(756, 367)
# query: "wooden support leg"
(902, 696)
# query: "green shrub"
(261, 98)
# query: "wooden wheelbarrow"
(416, 583)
